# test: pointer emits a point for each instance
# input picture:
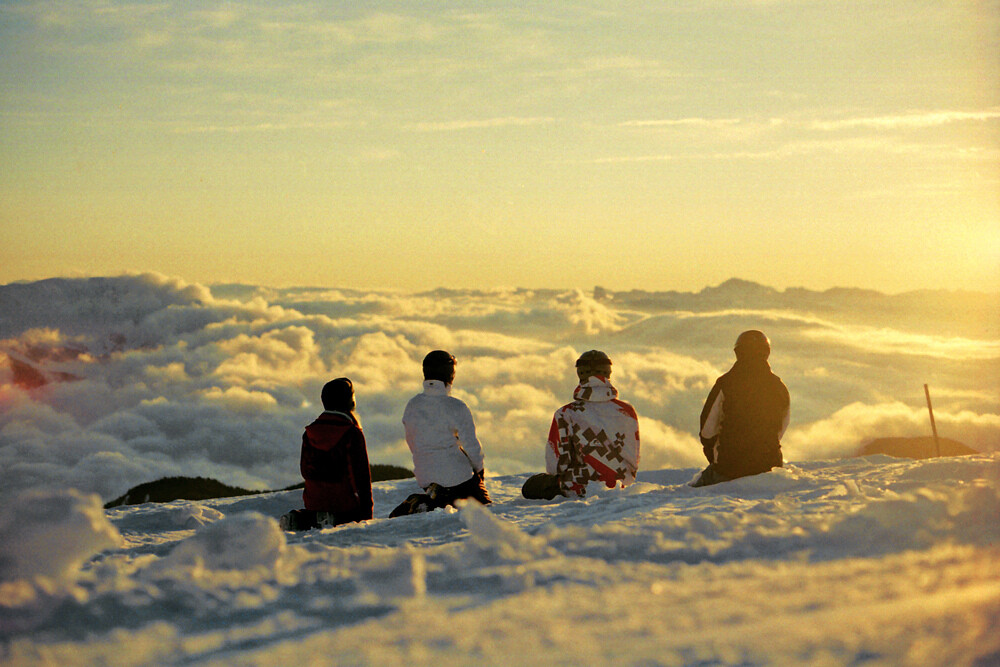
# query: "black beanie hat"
(338, 395)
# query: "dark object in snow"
(922, 447)
(415, 503)
(542, 486)
(710, 476)
(438, 496)
(202, 488)
(297, 520)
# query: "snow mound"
(493, 539)
(193, 515)
(52, 533)
(240, 542)
(392, 575)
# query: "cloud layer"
(109, 382)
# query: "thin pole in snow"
(937, 443)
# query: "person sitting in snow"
(334, 465)
(745, 415)
(593, 439)
(441, 435)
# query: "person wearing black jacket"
(745, 415)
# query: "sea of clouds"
(106, 383)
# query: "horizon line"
(507, 288)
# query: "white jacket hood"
(595, 389)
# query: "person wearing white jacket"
(441, 434)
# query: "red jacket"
(334, 465)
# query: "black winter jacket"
(744, 417)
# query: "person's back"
(594, 438)
(745, 414)
(440, 432)
(334, 464)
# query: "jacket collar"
(436, 388)
(751, 366)
(596, 389)
(353, 418)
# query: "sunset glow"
(411, 145)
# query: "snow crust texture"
(872, 561)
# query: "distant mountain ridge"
(168, 489)
(956, 313)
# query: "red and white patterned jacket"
(593, 439)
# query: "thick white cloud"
(147, 376)
(239, 400)
(888, 341)
(665, 447)
(282, 354)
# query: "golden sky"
(420, 144)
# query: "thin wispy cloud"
(803, 147)
(909, 120)
(487, 123)
(683, 122)
(260, 127)
(674, 157)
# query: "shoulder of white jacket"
(569, 407)
(456, 402)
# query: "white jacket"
(441, 436)
(593, 439)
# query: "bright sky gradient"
(415, 144)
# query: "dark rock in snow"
(169, 489)
(915, 448)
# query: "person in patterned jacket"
(593, 439)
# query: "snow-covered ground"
(872, 561)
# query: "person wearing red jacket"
(334, 465)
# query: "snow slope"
(872, 561)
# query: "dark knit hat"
(593, 362)
(338, 395)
